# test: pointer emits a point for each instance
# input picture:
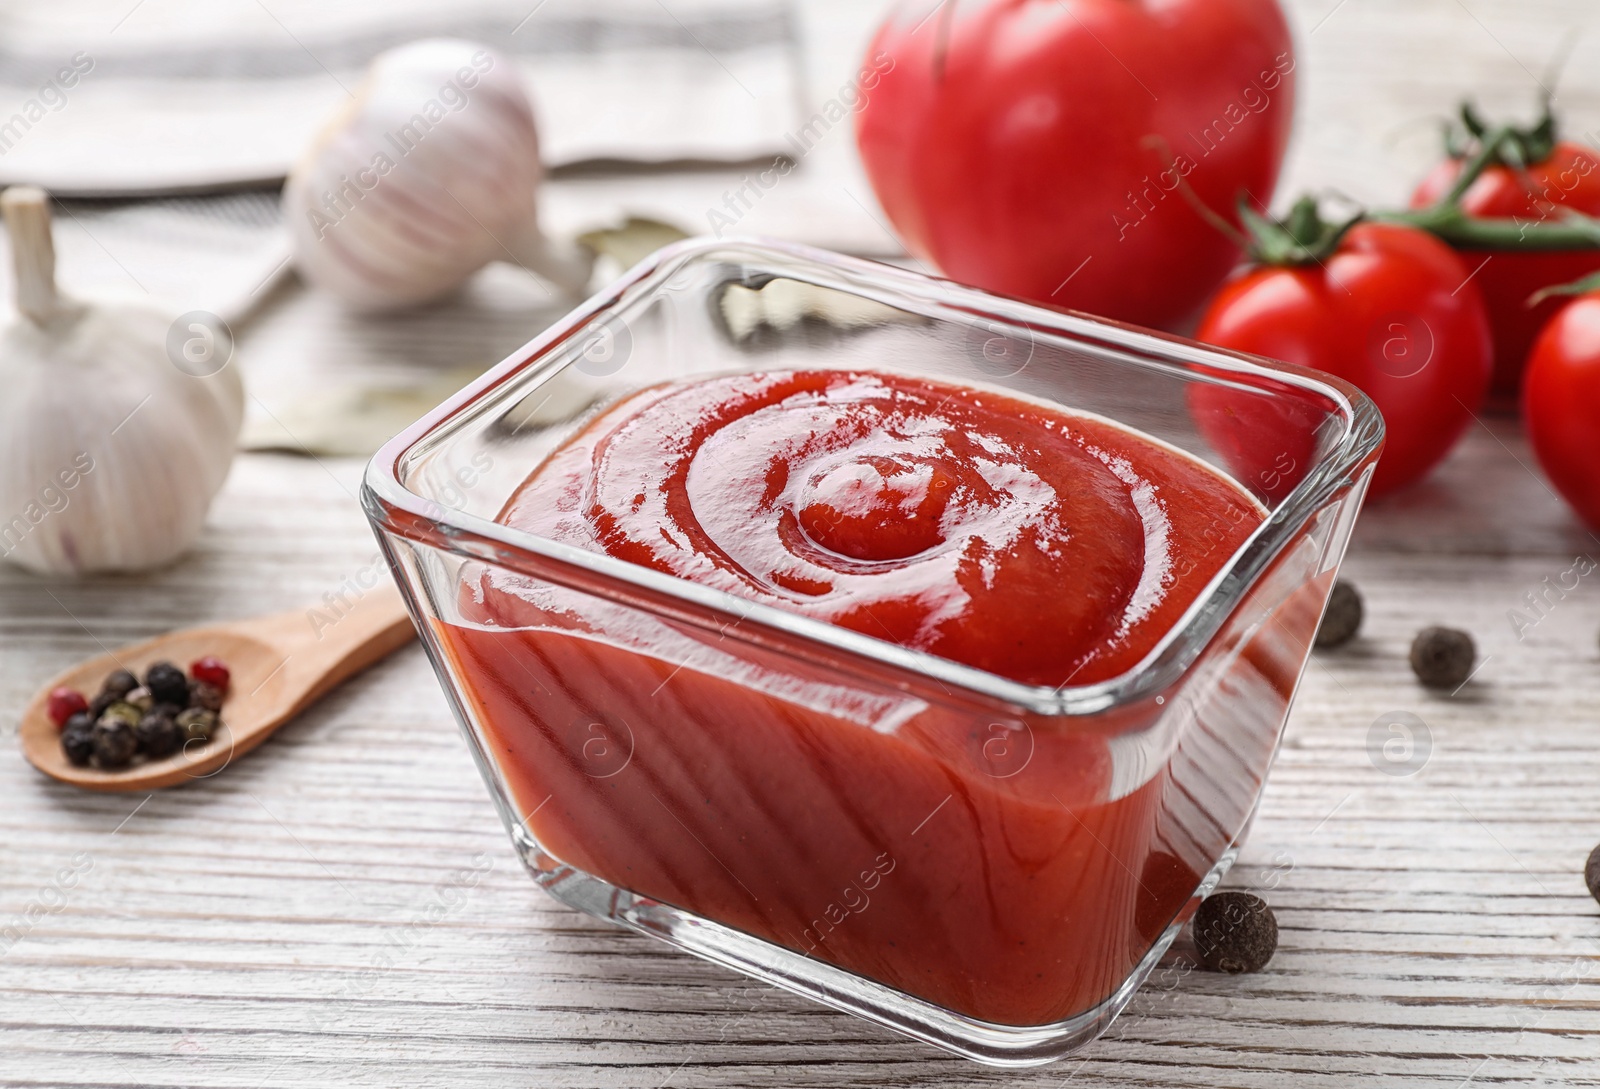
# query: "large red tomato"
(1561, 404)
(1036, 147)
(1568, 178)
(1391, 311)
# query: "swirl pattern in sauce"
(1043, 545)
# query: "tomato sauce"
(997, 865)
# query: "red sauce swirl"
(1043, 545)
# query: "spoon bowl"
(279, 664)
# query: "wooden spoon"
(280, 665)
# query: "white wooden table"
(341, 907)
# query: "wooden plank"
(1432, 925)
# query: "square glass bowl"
(988, 866)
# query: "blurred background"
(648, 109)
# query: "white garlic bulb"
(109, 452)
(430, 173)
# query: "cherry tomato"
(1037, 148)
(1391, 311)
(1561, 404)
(1569, 178)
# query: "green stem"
(1487, 155)
(1303, 236)
(1452, 225)
(1159, 143)
(1577, 287)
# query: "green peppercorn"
(1443, 657)
(77, 738)
(114, 741)
(1235, 932)
(207, 697)
(197, 724)
(1342, 618)
(167, 683)
(125, 713)
(141, 698)
(158, 735)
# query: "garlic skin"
(430, 173)
(109, 453)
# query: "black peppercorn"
(77, 738)
(101, 701)
(205, 696)
(1342, 619)
(1443, 657)
(158, 735)
(1591, 873)
(114, 743)
(119, 683)
(1235, 932)
(167, 684)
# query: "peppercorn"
(125, 713)
(167, 684)
(1443, 657)
(119, 682)
(158, 735)
(77, 738)
(114, 741)
(1342, 618)
(1235, 932)
(207, 697)
(212, 670)
(63, 703)
(155, 718)
(197, 724)
(1591, 873)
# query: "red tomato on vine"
(1388, 308)
(1535, 178)
(1561, 404)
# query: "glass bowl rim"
(383, 493)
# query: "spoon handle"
(327, 643)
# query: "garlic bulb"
(109, 452)
(428, 175)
